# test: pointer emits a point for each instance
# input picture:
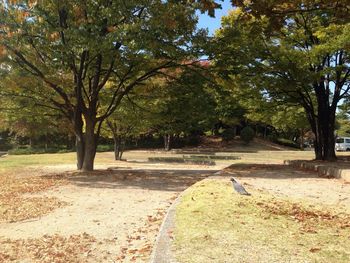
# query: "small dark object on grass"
(238, 187)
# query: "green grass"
(214, 224)
(11, 162)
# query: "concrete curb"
(162, 249)
(321, 169)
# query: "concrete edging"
(162, 249)
(321, 169)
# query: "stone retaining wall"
(322, 169)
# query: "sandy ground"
(121, 207)
(299, 185)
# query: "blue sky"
(214, 23)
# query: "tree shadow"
(213, 151)
(151, 179)
(268, 171)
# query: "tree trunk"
(118, 147)
(167, 139)
(46, 142)
(90, 145)
(79, 138)
(79, 143)
(323, 126)
(302, 139)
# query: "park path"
(114, 214)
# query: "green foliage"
(30, 150)
(247, 134)
(343, 121)
(104, 148)
(287, 142)
(289, 52)
(228, 134)
(183, 103)
(87, 56)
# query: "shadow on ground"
(157, 180)
(268, 171)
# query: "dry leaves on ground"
(308, 217)
(140, 242)
(47, 249)
(16, 205)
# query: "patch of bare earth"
(105, 216)
(300, 185)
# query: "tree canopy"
(84, 50)
(294, 52)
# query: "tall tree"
(184, 104)
(82, 50)
(295, 51)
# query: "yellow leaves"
(3, 51)
(54, 36)
(32, 3)
(111, 28)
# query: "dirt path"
(114, 215)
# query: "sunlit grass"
(18, 161)
(214, 224)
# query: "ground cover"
(214, 224)
(114, 213)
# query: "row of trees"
(87, 67)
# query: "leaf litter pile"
(16, 204)
(309, 217)
(47, 249)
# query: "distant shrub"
(228, 134)
(27, 150)
(286, 142)
(105, 148)
(247, 134)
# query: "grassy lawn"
(20, 161)
(214, 224)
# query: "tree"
(295, 52)
(247, 134)
(184, 105)
(85, 50)
(343, 120)
(129, 120)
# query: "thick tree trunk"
(326, 125)
(90, 145)
(79, 144)
(167, 140)
(79, 138)
(323, 126)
